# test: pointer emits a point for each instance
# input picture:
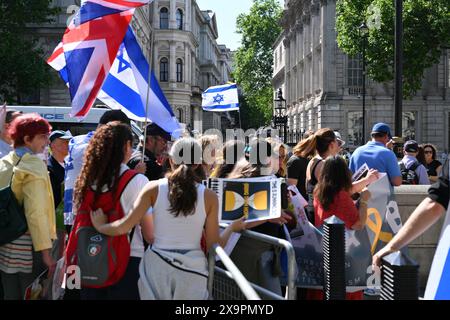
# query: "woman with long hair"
(26, 257)
(260, 262)
(323, 144)
(209, 146)
(232, 152)
(297, 165)
(175, 267)
(104, 166)
(332, 196)
(433, 165)
(282, 152)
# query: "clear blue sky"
(226, 14)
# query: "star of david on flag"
(89, 48)
(127, 85)
(221, 98)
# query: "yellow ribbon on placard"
(375, 227)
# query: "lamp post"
(279, 117)
(363, 30)
(398, 97)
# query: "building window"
(354, 71)
(179, 70)
(409, 125)
(180, 115)
(354, 125)
(179, 19)
(164, 18)
(164, 70)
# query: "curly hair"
(104, 155)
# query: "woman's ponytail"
(186, 156)
(182, 190)
(306, 148)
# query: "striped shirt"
(17, 256)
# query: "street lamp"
(363, 31)
(279, 117)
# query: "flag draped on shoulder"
(89, 47)
(128, 83)
(221, 98)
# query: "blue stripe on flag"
(212, 90)
(138, 59)
(443, 290)
(135, 53)
(224, 106)
(128, 98)
(159, 93)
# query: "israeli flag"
(221, 98)
(127, 85)
(438, 285)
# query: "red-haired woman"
(23, 259)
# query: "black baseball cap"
(154, 130)
(411, 146)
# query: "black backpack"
(13, 222)
(409, 175)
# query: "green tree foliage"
(259, 29)
(23, 67)
(426, 25)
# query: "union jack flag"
(89, 48)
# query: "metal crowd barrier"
(218, 288)
(222, 282)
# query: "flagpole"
(148, 93)
(240, 123)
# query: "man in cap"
(59, 149)
(155, 146)
(377, 155)
(410, 163)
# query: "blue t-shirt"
(378, 157)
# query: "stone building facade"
(323, 86)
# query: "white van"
(59, 118)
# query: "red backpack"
(102, 259)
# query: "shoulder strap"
(313, 171)
(124, 179)
(12, 175)
(414, 166)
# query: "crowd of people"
(167, 214)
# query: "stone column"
(172, 15)
(155, 14)
(186, 64)
(172, 62)
(188, 15)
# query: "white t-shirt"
(127, 199)
(129, 196)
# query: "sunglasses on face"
(428, 152)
